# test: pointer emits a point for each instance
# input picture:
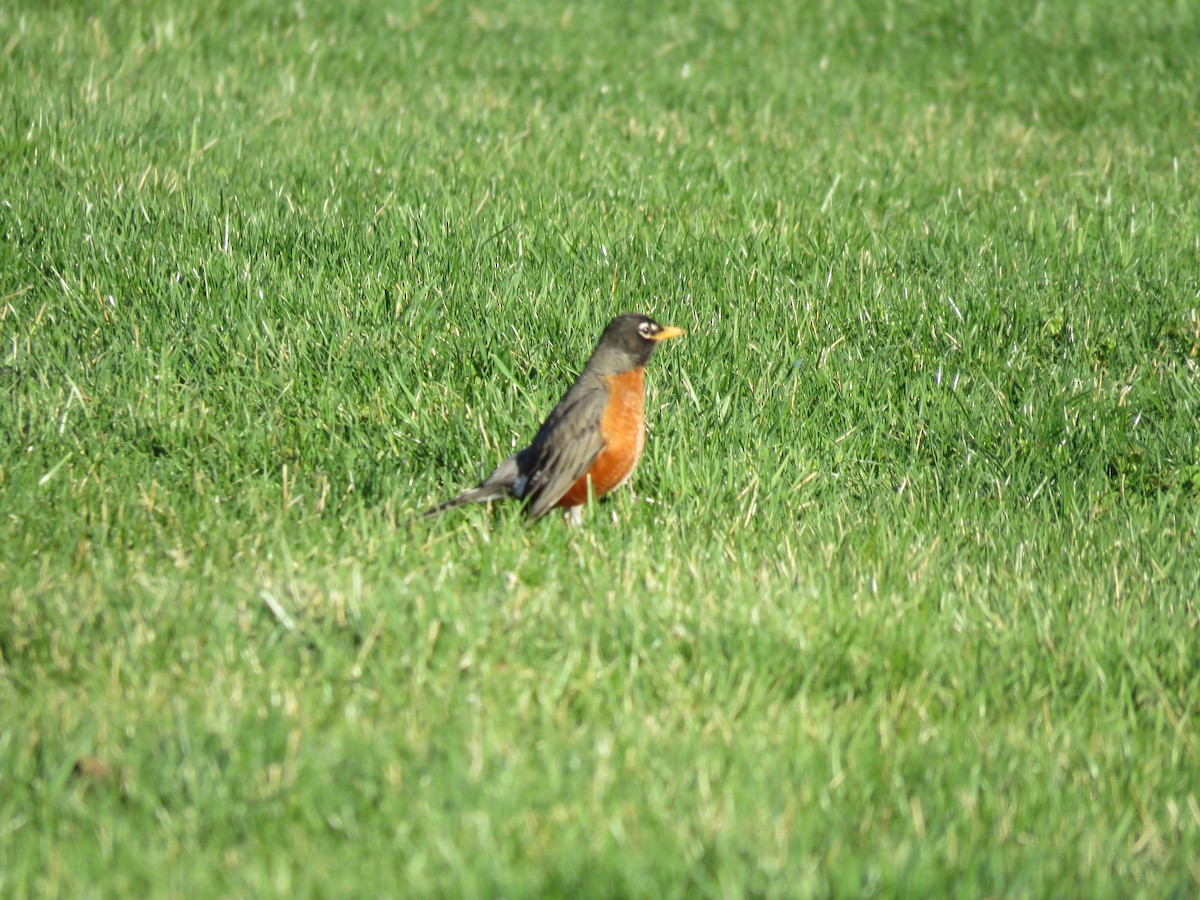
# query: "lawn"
(902, 600)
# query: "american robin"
(591, 441)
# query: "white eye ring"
(646, 329)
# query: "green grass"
(914, 608)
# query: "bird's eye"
(646, 329)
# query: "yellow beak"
(668, 332)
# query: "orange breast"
(624, 430)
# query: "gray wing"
(564, 449)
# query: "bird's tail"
(498, 484)
(481, 494)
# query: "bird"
(590, 443)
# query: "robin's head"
(628, 343)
